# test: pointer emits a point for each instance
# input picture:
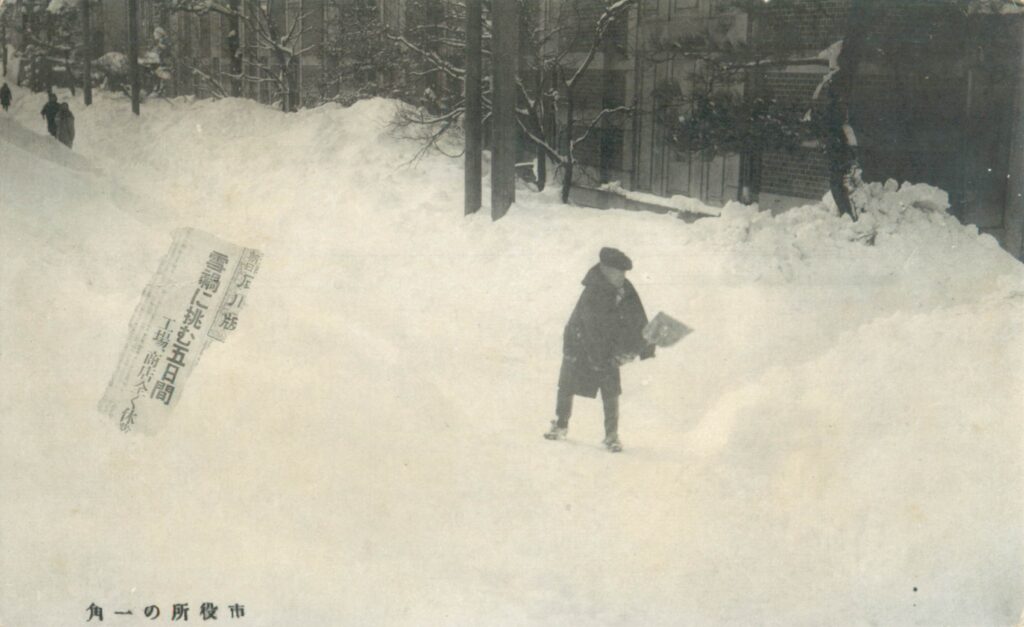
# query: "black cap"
(616, 259)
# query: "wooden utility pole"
(133, 52)
(504, 59)
(163, 16)
(473, 119)
(86, 53)
(542, 155)
(1014, 214)
(235, 47)
(3, 40)
(186, 81)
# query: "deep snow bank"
(842, 428)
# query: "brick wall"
(817, 24)
(792, 88)
(814, 23)
(908, 101)
(803, 174)
(907, 125)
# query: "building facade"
(201, 46)
(937, 99)
(658, 166)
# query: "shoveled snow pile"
(115, 63)
(677, 202)
(838, 442)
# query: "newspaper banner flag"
(226, 318)
(194, 298)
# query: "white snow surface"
(839, 442)
(677, 202)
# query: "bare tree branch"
(597, 120)
(611, 14)
(215, 86)
(432, 57)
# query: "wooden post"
(542, 155)
(504, 58)
(163, 12)
(186, 83)
(473, 120)
(235, 47)
(133, 52)
(86, 53)
(3, 41)
(1014, 212)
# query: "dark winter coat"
(50, 111)
(606, 323)
(5, 96)
(66, 127)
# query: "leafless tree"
(563, 44)
(282, 44)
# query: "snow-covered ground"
(839, 442)
(680, 203)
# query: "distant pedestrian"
(65, 125)
(50, 110)
(604, 332)
(5, 97)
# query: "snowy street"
(839, 442)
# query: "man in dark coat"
(65, 125)
(50, 111)
(604, 332)
(5, 96)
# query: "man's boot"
(612, 443)
(556, 432)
